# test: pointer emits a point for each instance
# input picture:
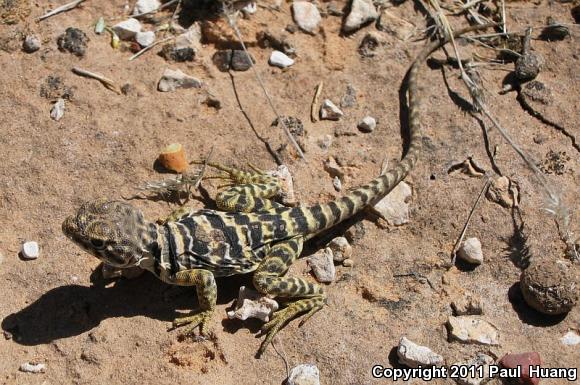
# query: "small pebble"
(325, 142)
(322, 265)
(348, 263)
(304, 374)
(31, 44)
(333, 168)
(472, 330)
(355, 232)
(349, 98)
(127, 29)
(279, 59)
(30, 250)
(28, 367)
(523, 361)
(329, 111)
(361, 12)
(504, 192)
(145, 39)
(306, 15)
(337, 184)
(174, 79)
(414, 355)
(367, 124)
(240, 60)
(341, 249)
(57, 110)
(467, 305)
(470, 251)
(144, 6)
(570, 339)
(180, 55)
(250, 9)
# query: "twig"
(234, 26)
(163, 6)
(141, 52)
(105, 81)
(62, 8)
(283, 356)
(314, 106)
(456, 246)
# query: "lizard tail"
(314, 219)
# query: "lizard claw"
(200, 319)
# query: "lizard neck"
(155, 248)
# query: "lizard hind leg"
(268, 280)
(247, 191)
(206, 295)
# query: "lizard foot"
(200, 319)
(282, 317)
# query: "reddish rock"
(523, 360)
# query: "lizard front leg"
(268, 280)
(206, 295)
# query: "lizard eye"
(98, 243)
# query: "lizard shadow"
(70, 310)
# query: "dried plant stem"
(105, 81)
(464, 231)
(314, 105)
(62, 8)
(141, 52)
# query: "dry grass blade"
(141, 52)
(105, 81)
(62, 8)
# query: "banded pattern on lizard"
(251, 233)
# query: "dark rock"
(180, 55)
(240, 61)
(222, 60)
(74, 41)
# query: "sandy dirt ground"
(57, 309)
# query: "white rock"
(361, 12)
(251, 304)
(367, 124)
(57, 110)
(31, 44)
(27, 367)
(322, 264)
(348, 263)
(283, 174)
(471, 329)
(190, 38)
(329, 111)
(401, 29)
(336, 183)
(30, 250)
(127, 29)
(250, 9)
(414, 355)
(279, 59)
(306, 15)
(394, 208)
(304, 374)
(174, 79)
(341, 249)
(570, 339)
(479, 360)
(144, 6)
(470, 251)
(145, 39)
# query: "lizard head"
(115, 232)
